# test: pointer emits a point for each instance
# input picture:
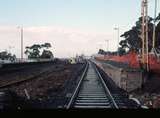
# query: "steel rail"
(106, 88)
(78, 87)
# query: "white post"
(21, 35)
(22, 43)
(107, 45)
(118, 39)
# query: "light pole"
(107, 45)
(117, 28)
(97, 48)
(21, 30)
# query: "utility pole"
(154, 28)
(145, 47)
(118, 40)
(21, 30)
(147, 38)
(142, 34)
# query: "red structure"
(133, 60)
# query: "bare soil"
(51, 89)
(149, 95)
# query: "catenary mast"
(144, 34)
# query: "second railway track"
(47, 71)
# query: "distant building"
(72, 60)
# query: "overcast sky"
(71, 26)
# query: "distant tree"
(46, 54)
(12, 58)
(158, 35)
(46, 45)
(158, 18)
(101, 51)
(121, 51)
(158, 32)
(34, 51)
(4, 55)
(133, 39)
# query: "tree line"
(36, 51)
(132, 38)
(4, 55)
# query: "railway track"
(12, 82)
(92, 92)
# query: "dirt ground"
(149, 95)
(52, 89)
